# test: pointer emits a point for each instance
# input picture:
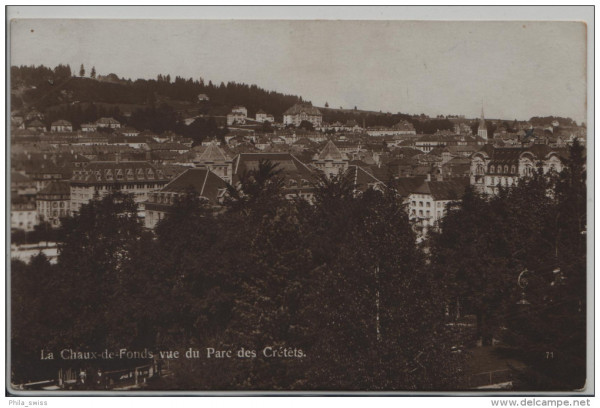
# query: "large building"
(302, 112)
(297, 177)
(331, 160)
(23, 214)
(54, 202)
(492, 167)
(201, 181)
(216, 160)
(98, 179)
(61, 126)
(427, 203)
(237, 116)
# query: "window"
(506, 168)
(428, 213)
(513, 169)
(492, 169)
(421, 212)
(414, 203)
(420, 203)
(428, 204)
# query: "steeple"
(482, 130)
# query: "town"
(190, 211)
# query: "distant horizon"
(520, 69)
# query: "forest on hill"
(49, 90)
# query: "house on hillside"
(302, 112)
(61, 126)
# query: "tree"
(305, 124)
(93, 73)
(82, 71)
(326, 104)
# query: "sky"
(516, 69)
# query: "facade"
(98, 179)
(216, 160)
(61, 126)
(88, 127)
(262, 116)
(54, 202)
(302, 112)
(331, 160)
(492, 167)
(110, 123)
(237, 116)
(427, 203)
(23, 214)
(209, 187)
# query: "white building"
(98, 179)
(238, 116)
(427, 203)
(492, 167)
(302, 112)
(331, 160)
(61, 126)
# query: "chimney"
(428, 176)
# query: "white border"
(464, 13)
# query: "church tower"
(482, 130)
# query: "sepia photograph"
(291, 205)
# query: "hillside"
(57, 93)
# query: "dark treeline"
(56, 87)
(340, 284)
(342, 281)
(539, 226)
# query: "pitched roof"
(361, 179)
(291, 168)
(444, 190)
(107, 121)
(56, 188)
(331, 152)
(406, 185)
(299, 108)
(61, 122)
(107, 172)
(202, 181)
(211, 153)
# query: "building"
(302, 112)
(492, 167)
(36, 125)
(331, 160)
(237, 116)
(109, 123)
(262, 116)
(298, 179)
(427, 203)
(216, 160)
(203, 98)
(88, 127)
(54, 202)
(61, 126)
(207, 185)
(99, 178)
(23, 214)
